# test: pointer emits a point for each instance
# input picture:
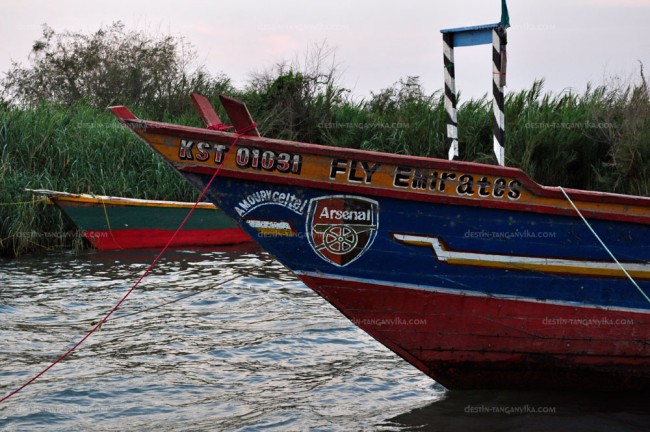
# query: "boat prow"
(473, 273)
(110, 222)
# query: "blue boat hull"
(474, 274)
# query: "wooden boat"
(128, 223)
(473, 273)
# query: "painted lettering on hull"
(251, 157)
(423, 180)
(266, 197)
(245, 157)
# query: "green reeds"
(598, 139)
(74, 149)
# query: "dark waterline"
(259, 352)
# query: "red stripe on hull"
(480, 342)
(155, 238)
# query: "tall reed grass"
(598, 139)
(77, 149)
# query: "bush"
(111, 66)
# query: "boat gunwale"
(66, 197)
(148, 126)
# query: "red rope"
(219, 127)
(147, 271)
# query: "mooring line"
(176, 300)
(25, 202)
(158, 306)
(146, 272)
(114, 318)
(604, 245)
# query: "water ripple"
(259, 352)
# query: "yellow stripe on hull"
(63, 197)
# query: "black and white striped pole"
(499, 41)
(450, 94)
(494, 34)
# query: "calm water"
(258, 352)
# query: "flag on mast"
(505, 17)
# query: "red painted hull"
(155, 238)
(481, 342)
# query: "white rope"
(604, 245)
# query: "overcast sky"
(568, 42)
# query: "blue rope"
(604, 245)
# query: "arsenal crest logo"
(341, 228)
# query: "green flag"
(505, 18)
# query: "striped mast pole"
(471, 36)
(450, 95)
(499, 42)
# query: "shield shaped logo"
(341, 228)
